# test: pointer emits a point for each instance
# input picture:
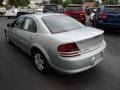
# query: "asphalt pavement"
(18, 72)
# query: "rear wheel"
(9, 17)
(40, 62)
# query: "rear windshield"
(112, 9)
(51, 7)
(74, 8)
(61, 23)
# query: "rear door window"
(30, 25)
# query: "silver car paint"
(48, 43)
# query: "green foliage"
(67, 2)
(1, 2)
(97, 4)
(56, 1)
(19, 2)
(90, 0)
(45, 2)
(110, 1)
(77, 1)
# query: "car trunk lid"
(87, 39)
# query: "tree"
(110, 1)
(45, 2)
(97, 4)
(90, 0)
(1, 1)
(56, 1)
(19, 2)
(77, 1)
(66, 2)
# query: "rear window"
(51, 7)
(112, 9)
(74, 8)
(61, 23)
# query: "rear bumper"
(109, 25)
(80, 63)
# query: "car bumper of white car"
(80, 63)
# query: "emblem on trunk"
(86, 50)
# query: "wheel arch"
(38, 48)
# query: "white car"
(11, 13)
(2, 10)
(57, 41)
(39, 10)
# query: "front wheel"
(9, 17)
(40, 62)
(7, 38)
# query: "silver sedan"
(57, 41)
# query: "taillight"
(68, 50)
(102, 16)
(82, 14)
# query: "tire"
(41, 62)
(1, 14)
(7, 38)
(9, 17)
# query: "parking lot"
(18, 72)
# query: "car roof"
(111, 5)
(74, 5)
(42, 15)
(51, 4)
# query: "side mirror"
(8, 25)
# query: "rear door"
(27, 34)
(113, 14)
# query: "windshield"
(61, 23)
(74, 8)
(112, 9)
